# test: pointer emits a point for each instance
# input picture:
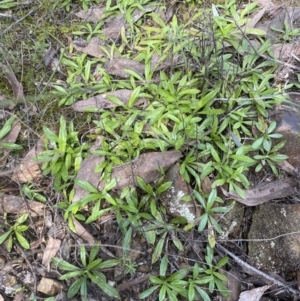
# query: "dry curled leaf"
(254, 294)
(52, 247)
(146, 167)
(92, 48)
(275, 190)
(29, 169)
(117, 67)
(86, 173)
(101, 101)
(17, 205)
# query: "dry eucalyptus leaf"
(29, 169)
(116, 67)
(146, 167)
(284, 51)
(92, 14)
(52, 247)
(82, 232)
(102, 102)
(254, 294)
(17, 87)
(92, 48)
(86, 173)
(275, 190)
(114, 26)
(17, 205)
(170, 61)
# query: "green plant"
(6, 128)
(16, 231)
(64, 153)
(211, 269)
(287, 34)
(6, 4)
(168, 286)
(268, 154)
(207, 219)
(91, 270)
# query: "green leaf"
(148, 292)
(6, 127)
(4, 236)
(257, 143)
(83, 289)
(10, 243)
(191, 291)
(22, 240)
(50, 135)
(163, 187)
(74, 288)
(94, 264)
(86, 186)
(158, 249)
(21, 228)
(22, 218)
(163, 265)
(72, 274)
(106, 288)
(109, 263)
(199, 198)
(127, 241)
(222, 262)
(62, 137)
(83, 255)
(211, 199)
(162, 293)
(64, 265)
(134, 96)
(179, 275)
(93, 253)
(203, 222)
(254, 31)
(204, 100)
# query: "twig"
(256, 271)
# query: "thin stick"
(256, 271)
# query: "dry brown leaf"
(275, 190)
(16, 205)
(52, 247)
(284, 51)
(17, 87)
(82, 232)
(86, 173)
(29, 169)
(117, 67)
(254, 294)
(102, 102)
(255, 19)
(92, 48)
(146, 167)
(114, 26)
(233, 284)
(170, 61)
(92, 14)
(266, 3)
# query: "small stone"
(49, 286)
